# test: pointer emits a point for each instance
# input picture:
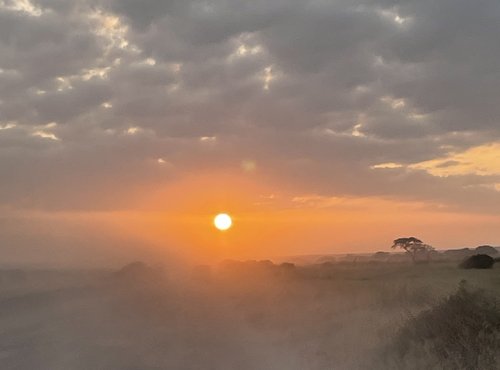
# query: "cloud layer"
(99, 98)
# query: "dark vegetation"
(414, 247)
(460, 332)
(486, 249)
(478, 261)
(138, 272)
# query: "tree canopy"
(413, 246)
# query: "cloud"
(481, 160)
(356, 98)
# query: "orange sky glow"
(177, 220)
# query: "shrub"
(137, 272)
(486, 249)
(287, 266)
(381, 255)
(478, 261)
(461, 332)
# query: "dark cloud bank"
(92, 93)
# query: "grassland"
(253, 315)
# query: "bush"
(137, 272)
(478, 261)
(461, 332)
(486, 249)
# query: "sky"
(320, 126)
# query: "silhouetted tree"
(413, 247)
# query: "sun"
(223, 221)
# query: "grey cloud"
(62, 106)
(285, 83)
(47, 46)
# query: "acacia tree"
(413, 247)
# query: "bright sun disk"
(223, 221)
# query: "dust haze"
(313, 312)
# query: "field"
(252, 315)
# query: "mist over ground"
(238, 315)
